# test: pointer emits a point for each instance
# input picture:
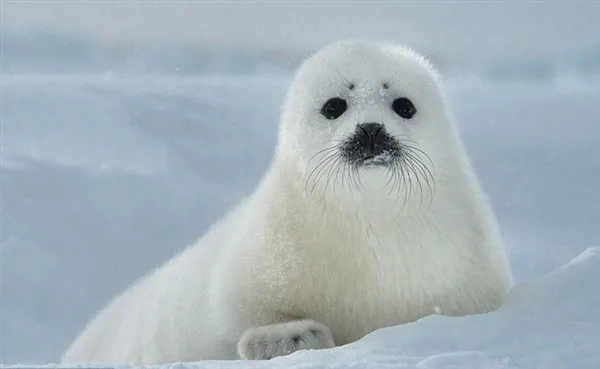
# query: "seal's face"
(370, 144)
(362, 115)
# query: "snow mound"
(553, 322)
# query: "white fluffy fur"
(345, 259)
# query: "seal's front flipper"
(269, 341)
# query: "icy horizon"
(39, 50)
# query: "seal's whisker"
(318, 169)
(391, 174)
(346, 180)
(326, 168)
(412, 163)
(407, 184)
(424, 169)
(324, 151)
(401, 179)
(421, 172)
(390, 81)
(329, 171)
(418, 150)
(349, 84)
(320, 165)
(333, 173)
(410, 178)
(355, 177)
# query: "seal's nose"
(370, 139)
(370, 129)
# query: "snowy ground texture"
(550, 323)
(104, 178)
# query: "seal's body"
(369, 216)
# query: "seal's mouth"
(380, 160)
(370, 146)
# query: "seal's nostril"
(370, 129)
(370, 139)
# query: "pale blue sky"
(485, 29)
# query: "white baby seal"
(369, 216)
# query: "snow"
(104, 178)
(549, 323)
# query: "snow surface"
(550, 323)
(104, 178)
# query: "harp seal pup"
(369, 216)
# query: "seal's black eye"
(404, 108)
(334, 108)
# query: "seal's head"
(366, 116)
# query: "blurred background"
(128, 127)
(498, 39)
